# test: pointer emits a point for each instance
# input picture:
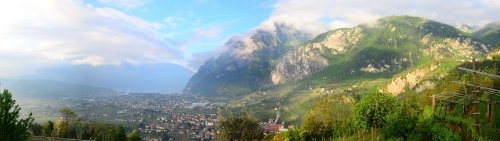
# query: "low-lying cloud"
(319, 15)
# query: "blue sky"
(198, 25)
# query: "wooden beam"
(479, 72)
(497, 92)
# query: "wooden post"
(372, 134)
(433, 103)
(466, 103)
(475, 94)
(488, 113)
(446, 108)
(463, 109)
(492, 111)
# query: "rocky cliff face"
(313, 57)
(247, 64)
(397, 47)
(389, 46)
(392, 55)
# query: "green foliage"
(120, 135)
(434, 130)
(134, 136)
(293, 135)
(315, 129)
(402, 121)
(36, 129)
(67, 126)
(48, 128)
(370, 112)
(441, 133)
(455, 119)
(70, 126)
(329, 115)
(61, 129)
(12, 128)
(469, 126)
(67, 114)
(235, 128)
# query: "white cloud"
(308, 15)
(35, 34)
(209, 32)
(126, 4)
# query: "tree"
(60, 129)
(402, 122)
(134, 136)
(432, 129)
(237, 128)
(371, 111)
(104, 132)
(12, 128)
(292, 135)
(48, 128)
(68, 125)
(120, 135)
(36, 129)
(67, 114)
(324, 118)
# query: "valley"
(280, 82)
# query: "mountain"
(467, 28)
(247, 64)
(394, 54)
(157, 78)
(38, 89)
(387, 47)
(490, 33)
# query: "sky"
(35, 34)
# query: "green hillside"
(394, 55)
(490, 33)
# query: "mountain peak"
(277, 54)
(385, 47)
(246, 65)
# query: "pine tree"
(12, 128)
(121, 136)
(134, 136)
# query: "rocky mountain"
(314, 56)
(387, 47)
(247, 64)
(270, 69)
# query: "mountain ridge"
(41, 89)
(247, 63)
(395, 54)
(291, 62)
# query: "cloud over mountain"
(318, 15)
